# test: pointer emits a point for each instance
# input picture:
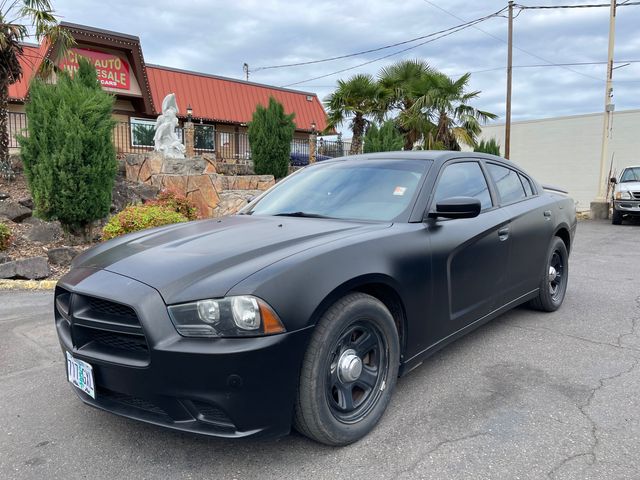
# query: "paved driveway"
(530, 395)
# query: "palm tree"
(358, 99)
(446, 103)
(19, 20)
(403, 83)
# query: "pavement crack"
(439, 445)
(590, 453)
(634, 326)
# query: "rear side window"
(508, 183)
(526, 184)
(463, 179)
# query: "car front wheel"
(553, 284)
(349, 371)
(616, 217)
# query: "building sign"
(113, 71)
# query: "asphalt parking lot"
(528, 396)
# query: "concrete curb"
(27, 284)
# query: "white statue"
(165, 138)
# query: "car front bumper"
(233, 387)
(629, 207)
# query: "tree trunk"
(358, 132)
(4, 124)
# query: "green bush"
(177, 202)
(69, 158)
(140, 217)
(270, 136)
(490, 146)
(384, 139)
(5, 236)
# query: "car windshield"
(358, 190)
(631, 175)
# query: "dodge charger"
(303, 309)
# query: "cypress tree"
(384, 139)
(68, 155)
(270, 136)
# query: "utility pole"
(245, 69)
(507, 125)
(600, 207)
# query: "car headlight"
(238, 316)
(623, 195)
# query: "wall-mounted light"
(189, 113)
(313, 126)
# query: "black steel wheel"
(616, 217)
(349, 371)
(553, 285)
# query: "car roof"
(436, 156)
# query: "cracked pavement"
(528, 396)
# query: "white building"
(565, 151)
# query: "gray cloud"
(218, 36)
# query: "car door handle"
(547, 215)
(503, 233)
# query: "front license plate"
(81, 375)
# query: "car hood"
(629, 186)
(206, 258)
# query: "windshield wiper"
(300, 214)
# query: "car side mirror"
(457, 207)
(613, 180)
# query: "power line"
(449, 32)
(356, 54)
(514, 46)
(597, 5)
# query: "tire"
(552, 290)
(616, 217)
(332, 407)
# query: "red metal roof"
(212, 98)
(30, 62)
(229, 100)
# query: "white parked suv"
(626, 194)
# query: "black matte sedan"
(303, 309)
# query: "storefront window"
(142, 132)
(204, 137)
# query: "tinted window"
(527, 185)
(509, 186)
(463, 180)
(366, 190)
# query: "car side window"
(526, 183)
(464, 179)
(507, 182)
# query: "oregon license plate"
(80, 374)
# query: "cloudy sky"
(219, 36)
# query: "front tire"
(553, 284)
(349, 371)
(616, 217)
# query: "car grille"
(636, 195)
(102, 326)
(212, 414)
(135, 402)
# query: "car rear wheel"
(349, 371)
(553, 284)
(616, 217)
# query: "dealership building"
(220, 107)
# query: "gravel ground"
(528, 396)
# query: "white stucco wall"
(565, 151)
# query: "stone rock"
(62, 255)
(127, 193)
(4, 195)
(43, 232)
(26, 202)
(14, 211)
(4, 257)
(34, 268)
(16, 162)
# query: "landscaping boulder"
(4, 257)
(34, 268)
(26, 202)
(62, 255)
(4, 195)
(14, 211)
(43, 232)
